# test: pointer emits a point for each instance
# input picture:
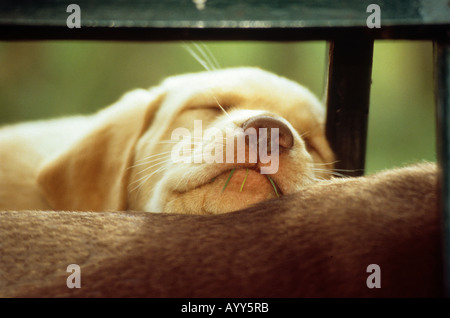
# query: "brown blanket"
(317, 243)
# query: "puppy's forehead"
(228, 78)
(236, 86)
(243, 88)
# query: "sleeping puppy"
(203, 143)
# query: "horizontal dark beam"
(222, 20)
(22, 33)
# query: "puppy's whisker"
(150, 160)
(185, 142)
(202, 138)
(201, 61)
(153, 156)
(202, 55)
(325, 163)
(207, 55)
(211, 56)
(195, 143)
(144, 179)
(318, 179)
(154, 165)
(163, 160)
(329, 172)
(206, 63)
(151, 167)
(306, 133)
(334, 171)
(223, 109)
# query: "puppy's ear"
(92, 174)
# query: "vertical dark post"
(348, 94)
(442, 78)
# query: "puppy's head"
(207, 143)
(224, 140)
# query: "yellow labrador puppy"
(202, 143)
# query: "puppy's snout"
(286, 139)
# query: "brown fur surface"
(316, 243)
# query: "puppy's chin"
(214, 198)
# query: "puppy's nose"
(286, 139)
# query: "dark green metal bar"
(157, 20)
(442, 77)
(348, 94)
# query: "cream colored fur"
(120, 158)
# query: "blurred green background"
(48, 79)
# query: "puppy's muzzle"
(286, 138)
